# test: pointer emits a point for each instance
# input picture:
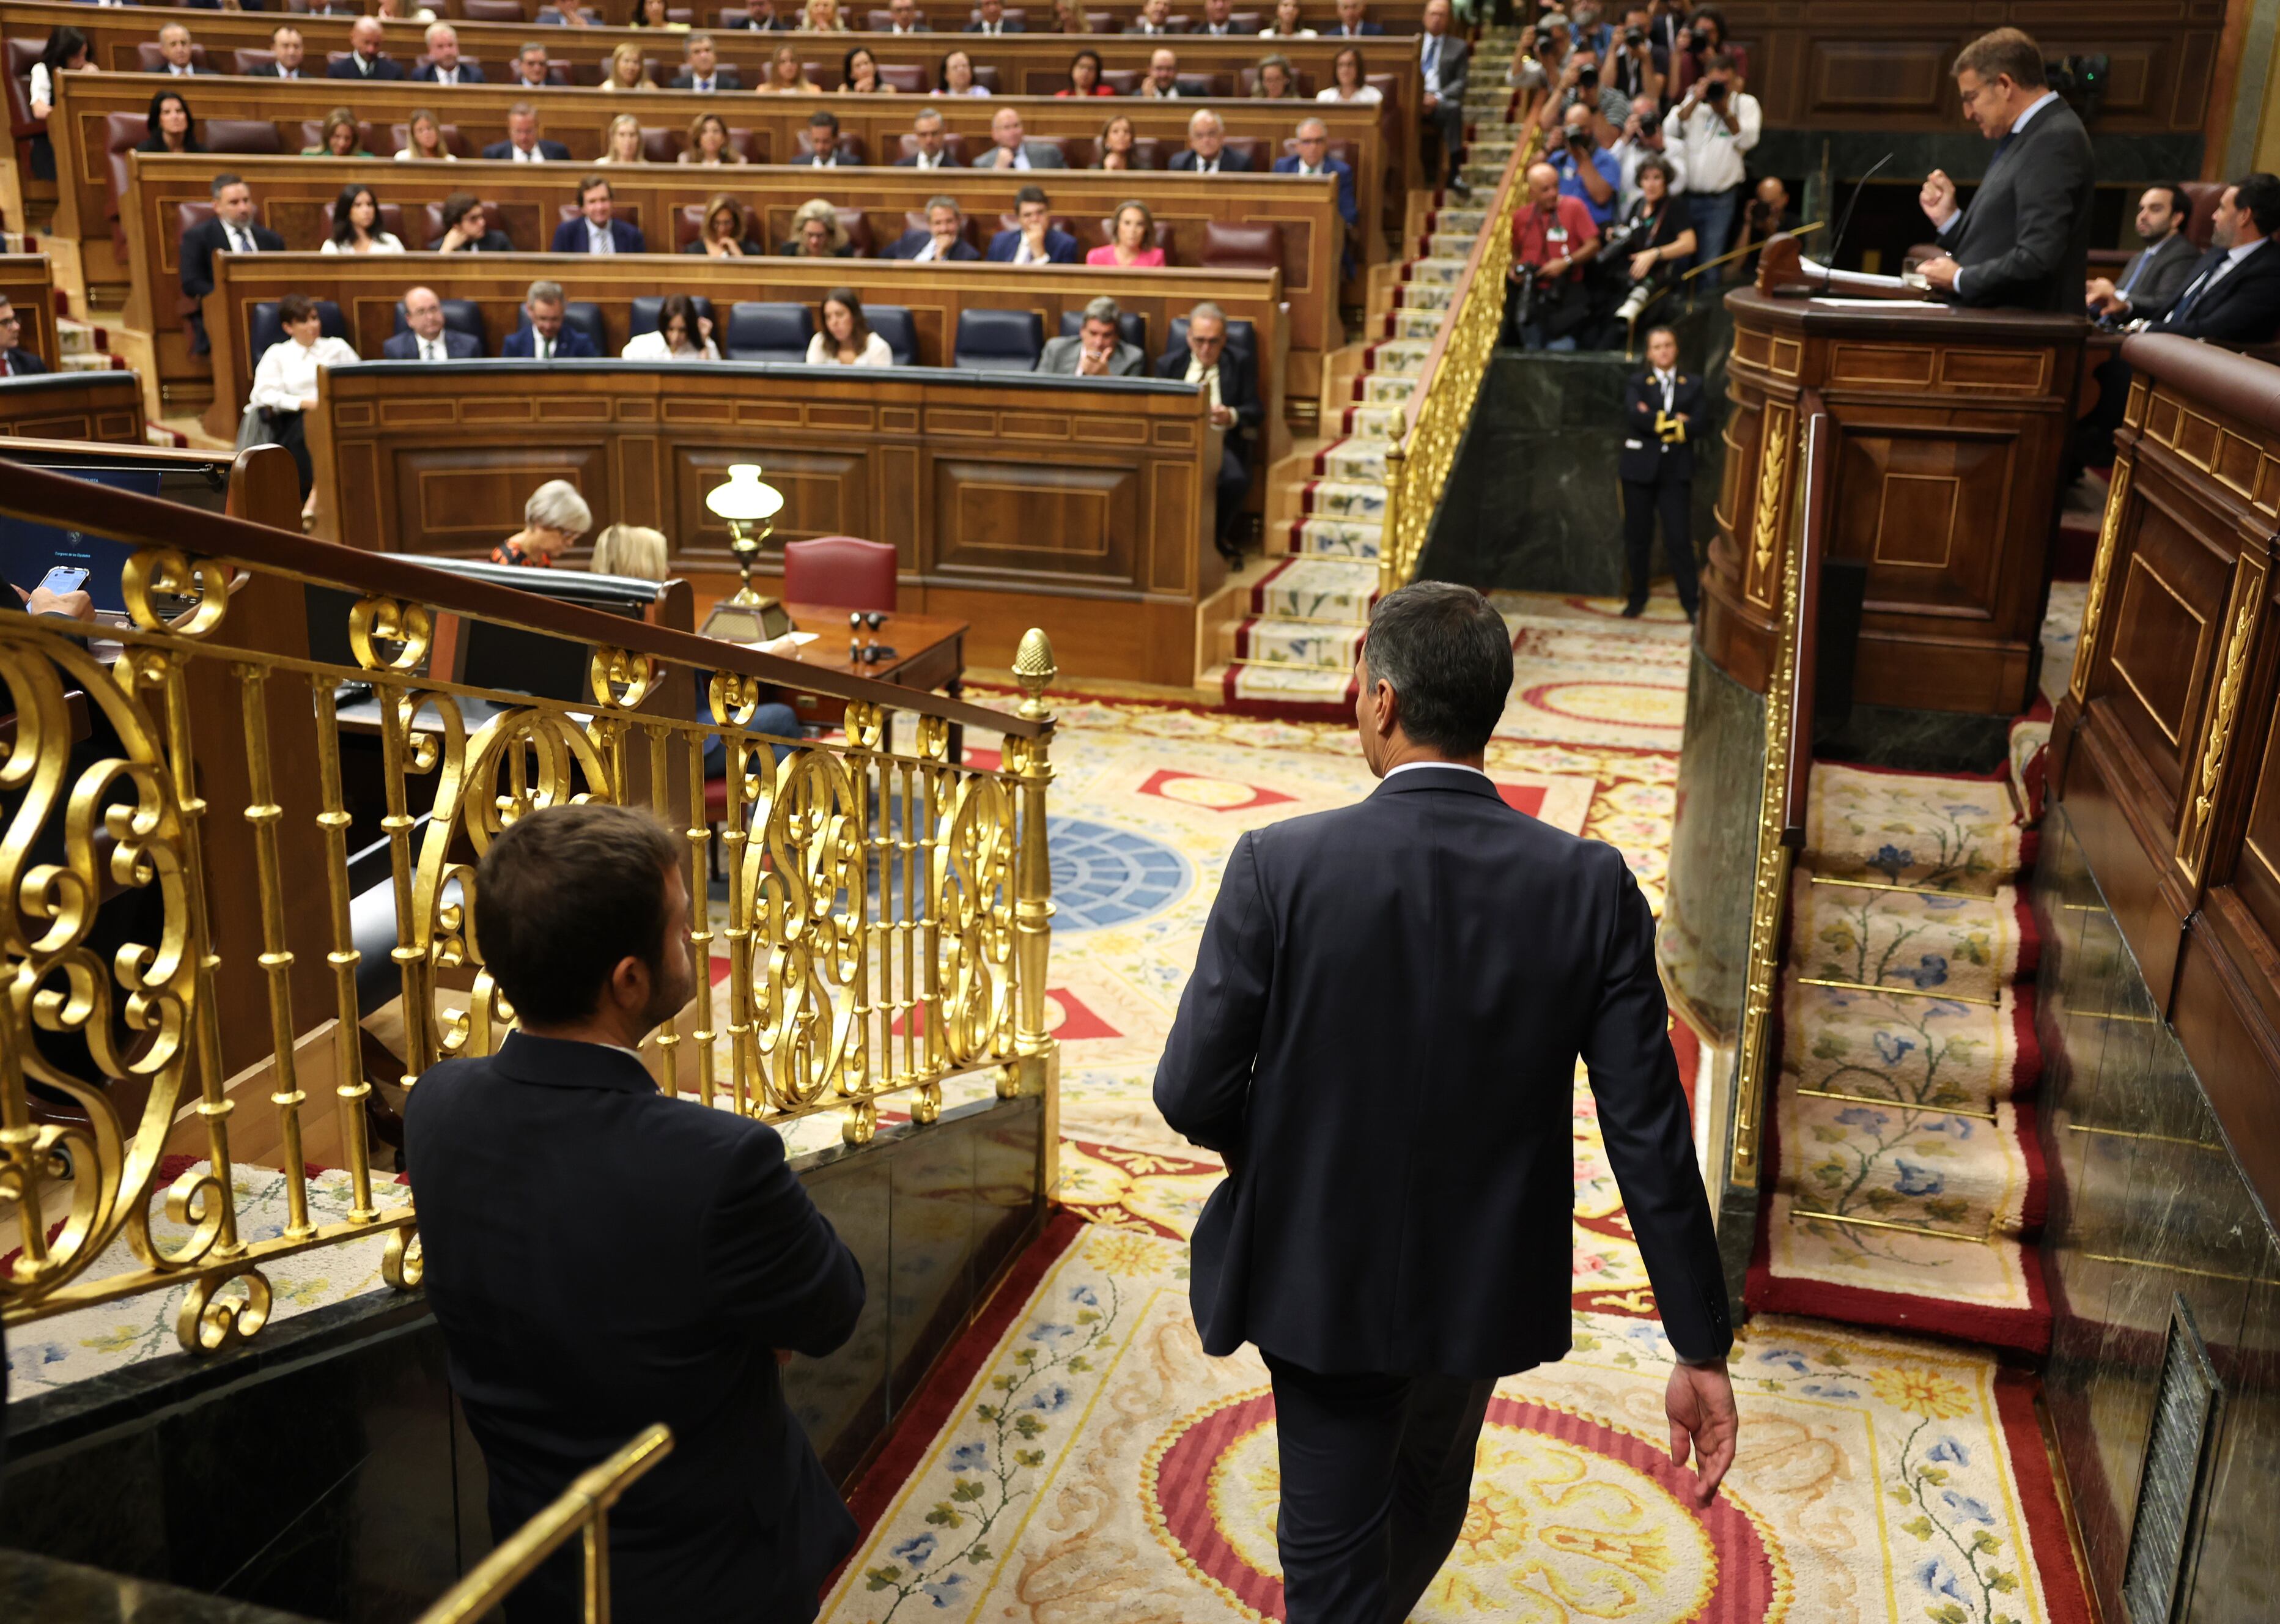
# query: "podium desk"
(1950, 428)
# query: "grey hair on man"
(557, 505)
(1103, 309)
(1447, 656)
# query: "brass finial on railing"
(1033, 669)
(1033, 907)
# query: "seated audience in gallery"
(1163, 80)
(859, 74)
(15, 360)
(544, 334)
(523, 144)
(943, 236)
(990, 18)
(1313, 158)
(709, 145)
(365, 61)
(553, 518)
(1353, 23)
(427, 339)
(467, 228)
(625, 74)
(725, 234)
(444, 64)
(423, 141)
(843, 338)
(1010, 147)
(1118, 146)
(169, 123)
(656, 14)
(1218, 20)
(955, 77)
(230, 229)
(1033, 239)
(702, 69)
(1273, 78)
(788, 74)
(1208, 151)
(1096, 348)
(760, 16)
(621, 143)
(816, 233)
(597, 230)
(1132, 239)
(1350, 81)
(531, 71)
(355, 225)
(285, 379)
(904, 17)
(822, 136)
(930, 143)
(1155, 17)
(681, 335)
(822, 17)
(64, 52)
(1085, 76)
(1286, 26)
(338, 137)
(177, 53)
(288, 57)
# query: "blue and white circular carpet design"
(1105, 875)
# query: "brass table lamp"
(748, 507)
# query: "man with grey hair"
(1096, 348)
(1368, 977)
(1311, 156)
(444, 64)
(546, 334)
(930, 143)
(554, 518)
(1227, 378)
(941, 237)
(1208, 153)
(176, 50)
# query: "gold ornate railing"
(584, 1508)
(1418, 461)
(887, 924)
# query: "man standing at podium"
(2024, 243)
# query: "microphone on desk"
(1844, 221)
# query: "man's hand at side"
(1700, 1402)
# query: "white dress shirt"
(241, 239)
(288, 373)
(432, 349)
(706, 85)
(1367, 95)
(931, 253)
(289, 72)
(382, 243)
(821, 352)
(1428, 58)
(1208, 376)
(650, 347)
(447, 75)
(406, 156)
(525, 155)
(186, 71)
(1027, 254)
(926, 160)
(1303, 34)
(1021, 157)
(1710, 153)
(989, 28)
(1412, 766)
(1207, 166)
(599, 240)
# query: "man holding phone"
(1712, 127)
(61, 594)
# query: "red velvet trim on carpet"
(2064, 1601)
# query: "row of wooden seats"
(1397, 17)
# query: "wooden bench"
(295, 194)
(951, 16)
(106, 406)
(1013, 501)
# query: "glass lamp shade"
(744, 499)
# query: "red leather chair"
(1241, 247)
(1254, 149)
(494, 11)
(856, 225)
(1104, 22)
(661, 146)
(840, 572)
(909, 78)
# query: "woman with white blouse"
(1350, 81)
(847, 339)
(66, 52)
(1285, 25)
(285, 379)
(355, 225)
(681, 335)
(423, 141)
(957, 77)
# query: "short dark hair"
(1031, 194)
(563, 895)
(1448, 656)
(2259, 195)
(2010, 51)
(222, 182)
(588, 183)
(2180, 201)
(296, 307)
(823, 118)
(456, 207)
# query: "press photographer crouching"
(1552, 239)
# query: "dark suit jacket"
(492, 242)
(725, 1261)
(552, 151)
(907, 246)
(1456, 65)
(2243, 309)
(383, 68)
(911, 161)
(724, 78)
(1239, 387)
(21, 364)
(570, 344)
(1005, 25)
(1060, 248)
(2024, 243)
(2173, 261)
(1643, 455)
(1231, 160)
(1380, 1037)
(470, 72)
(570, 237)
(201, 241)
(1287, 165)
(752, 250)
(1364, 32)
(268, 70)
(405, 346)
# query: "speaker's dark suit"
(914, 242)
(2241, 308)
(1659, 478)
(1287, 165)
(572, 237)
(1238, 392)
(600, 1257)
(503, 151)
(1381, 1037)
(2024, 243)
(724, 78)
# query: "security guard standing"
(1663, 417)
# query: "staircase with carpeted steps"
(1908, 1185)
(1291, 651)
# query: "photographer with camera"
(1768, 213)
(1591, 33)
(1654, 239)
(1715, 123)
(1581, 86)
(1636, 65)
(1664, 414)
(1553, 238)
(1641, 139)
(1588, 172)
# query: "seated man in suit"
(1096, 348)
(931, 149)
(822, 142)
(597, 230)
(702, 70)
(1010, 149)
(990, 18)
(1227, 378)
(231, 230)
(522, 144)
(1207, 151)
(175, 57)
(1155, 17)
(1352, 25)
(467, 228)
(444, 65)
(429, 340)
(545, 336)
(2157, 273)
(15, 360)
(1381, 1039)
(1314, 158)
(1217, 19)
(579, 910)
(904, 17)
(287, 53)
(943, 238)
(759, 15)
(1163, 82)
(530, 70)
(365, 59)
(1035, 241)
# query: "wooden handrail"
(60, 500)
(1814, 477)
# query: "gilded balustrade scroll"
(879, 925)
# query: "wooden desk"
(295, 195)
(104, 406)
(930, 658)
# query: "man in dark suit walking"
(1229, 380)
(2024, 243)
(1380, 1037)
(600, 1257)
(2157, 273)
(230, 230)
(1663, 416)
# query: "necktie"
(2137, 270)
(1432, 58)
(242, 241)
(545, 349)
(2201, 285)
(428, 351)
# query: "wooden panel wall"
(106, 406)
(28, 281)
